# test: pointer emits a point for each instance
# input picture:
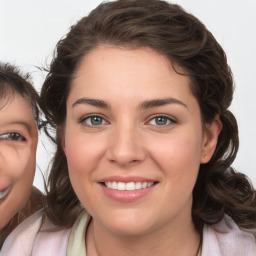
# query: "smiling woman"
(19, 115)
(139, 92)
(141, 139)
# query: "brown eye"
(12, 136)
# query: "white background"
(30, 29)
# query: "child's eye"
(12, 136)
(94, 120)
(161, 121)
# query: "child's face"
(18, 143)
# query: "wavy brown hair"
(186, 42)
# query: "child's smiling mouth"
(5, 192)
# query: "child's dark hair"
(12, 81)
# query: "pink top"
(221, 239)
(25, 240)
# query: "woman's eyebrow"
(144, 105)
(160, 102)
(92, 102)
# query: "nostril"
(125, 152)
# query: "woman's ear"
(61, 137)
(210, 139)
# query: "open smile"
(4, 192)
(128, 185)
(127, 189)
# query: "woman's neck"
(175, 240)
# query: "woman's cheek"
(83, 152)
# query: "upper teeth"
(4, 193)
(128, 186)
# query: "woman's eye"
(161, 121)
(12, 136)
(94, 121)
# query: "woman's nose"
(126, 147)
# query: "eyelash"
(84, 119)
(168, 119)
(12, 136)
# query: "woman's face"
(134, 140)
(18, 143)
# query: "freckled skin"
(17, 157)
(129, 142)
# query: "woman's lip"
(126, 179)
(126, 195)
(5, 192)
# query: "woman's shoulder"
(36, 236)
(226, 239)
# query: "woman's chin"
(127, 225)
